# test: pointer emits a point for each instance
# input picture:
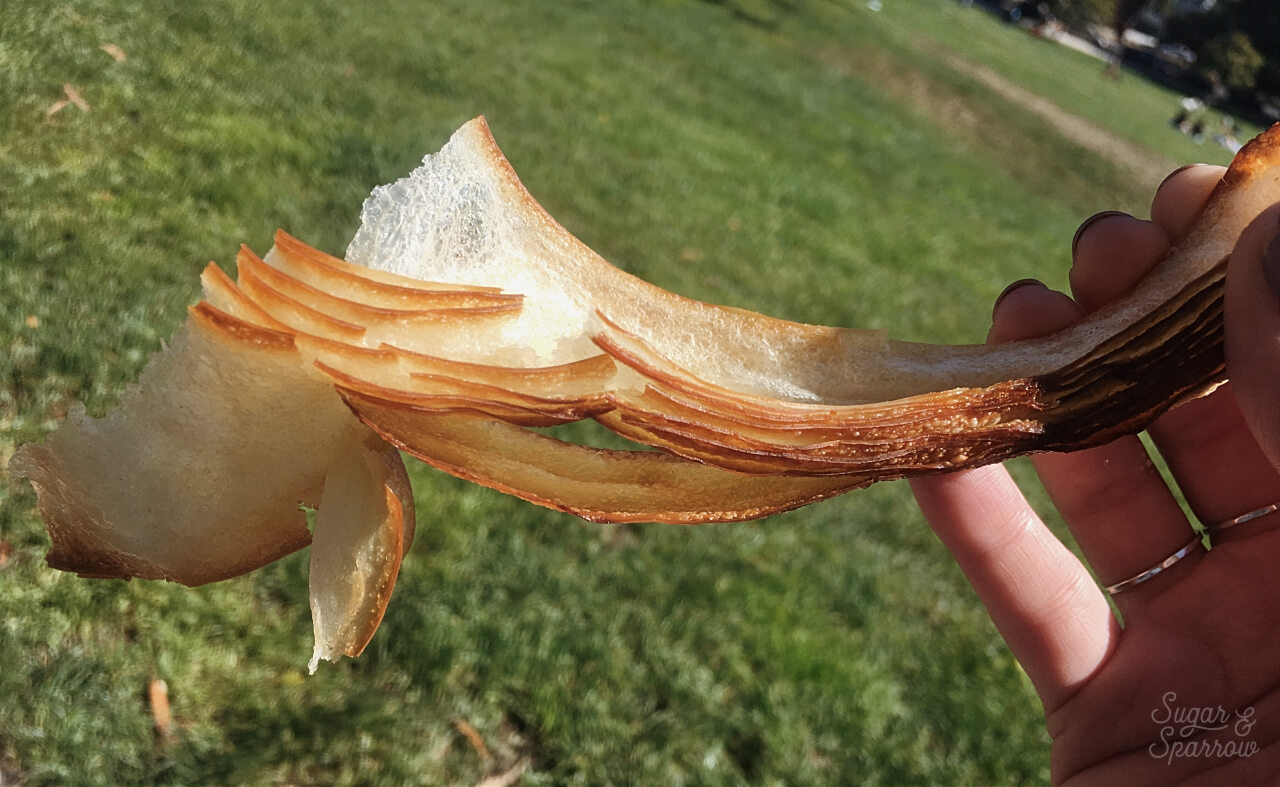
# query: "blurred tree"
(1237, 39)
(1233, 56)
(1116, 14)
(1237, 42)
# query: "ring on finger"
(1157, 569)
(1248, 516)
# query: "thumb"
(1252, 315)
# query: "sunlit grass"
(789, 159)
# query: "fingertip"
(1111, 254)
(1180, 197)
(1089, 223)
(1031, 309)
(1007, 291)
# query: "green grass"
(811, 161)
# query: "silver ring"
(1246, 517)
(1143, 576)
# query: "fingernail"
(1089, 222)
(1173, 174)
(1017, 285)
(1271, 261)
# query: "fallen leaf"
(116, 52)
(158, 695)
(33, 321)
(56, 107)
(74, 97)
(473, 737)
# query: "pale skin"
(1208, 629)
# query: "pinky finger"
(1039, 595)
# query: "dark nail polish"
(1017, 285)
(1171, 175)
(1089, 222)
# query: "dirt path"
(1142, 164)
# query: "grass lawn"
(810, 160)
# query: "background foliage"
(1240, 39)
(1236, 40)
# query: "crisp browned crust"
(374, 280)
(598, 485)
(236, 330)
(330, 274)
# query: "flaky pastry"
(464, 316)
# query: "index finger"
(1040, 596)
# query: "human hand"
(1200, 640)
